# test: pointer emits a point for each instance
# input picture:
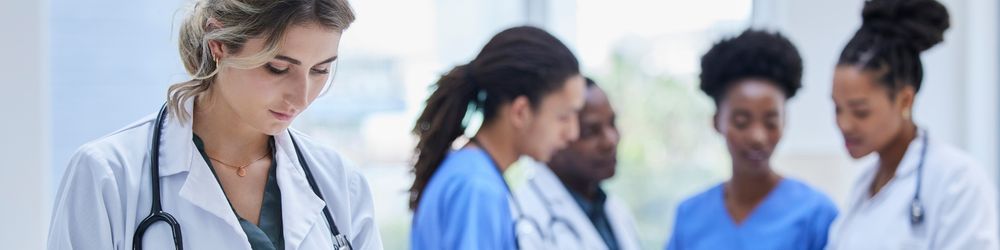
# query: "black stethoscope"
(157, 214)
(917, 208)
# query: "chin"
(606, 174)
(858, 154)
(274, 129)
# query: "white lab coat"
(105, 193)
(566, 209)
(959, 202)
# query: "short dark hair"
(752, 54)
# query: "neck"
(587, 189)
(498, 145)
(750, 188)
(892, 154)
(224, 139)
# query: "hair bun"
(919, 23)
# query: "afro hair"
(752, 54)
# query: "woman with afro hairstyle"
(918, 192)
(750, 78)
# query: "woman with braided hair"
(919, 192)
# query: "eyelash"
(277, 71)
(274, 70)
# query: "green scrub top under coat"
(268, 234)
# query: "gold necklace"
(240, 170)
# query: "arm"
(822, 220)
(366, 233)
(87, 208)
(478, 217)
(967, 216)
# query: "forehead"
(597, 103)
(851, 82)
(753, 93)
(308, 43)
(570, 95)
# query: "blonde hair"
(239, 21)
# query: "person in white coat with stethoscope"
(919, 193)
(217, 167)
(562, 205)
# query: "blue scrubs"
(465, 206)
(792, 216)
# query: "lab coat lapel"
(200, 188)
(563, 203)
(301, 209)
(622, 223)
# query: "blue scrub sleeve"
(480, 217)
(822, 221)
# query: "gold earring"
(906, 114)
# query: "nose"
(297, 91)
(844, 123)
(757, 136)
(573, 130)
(610, 138)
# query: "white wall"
(957, 103)
(24, 199)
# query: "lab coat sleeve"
(87, 213)
(822, 220)
(366, 233)
(967, 218)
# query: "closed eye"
(275, 70)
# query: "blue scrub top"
(464, 206)
(792, 216)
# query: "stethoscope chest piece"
(340, 242)
(916, 212)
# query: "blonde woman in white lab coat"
(562, 206)
(218, 167)
(920, 192)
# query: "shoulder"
(948, 160)
(468, 173)
(801, 193)
(693, 204)
(948, 165)
(113, 152)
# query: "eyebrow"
(297, 62)
(857, 102)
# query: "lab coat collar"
(177, 152)
(912, 157)
(301, 208)
(562, 202)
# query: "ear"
(715, 122)
(216, 47)
(520, 112)
(905, 98)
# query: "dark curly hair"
(752, 54)
(891, 37)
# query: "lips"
(283, 116)
(757, 155)
(852, 142)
